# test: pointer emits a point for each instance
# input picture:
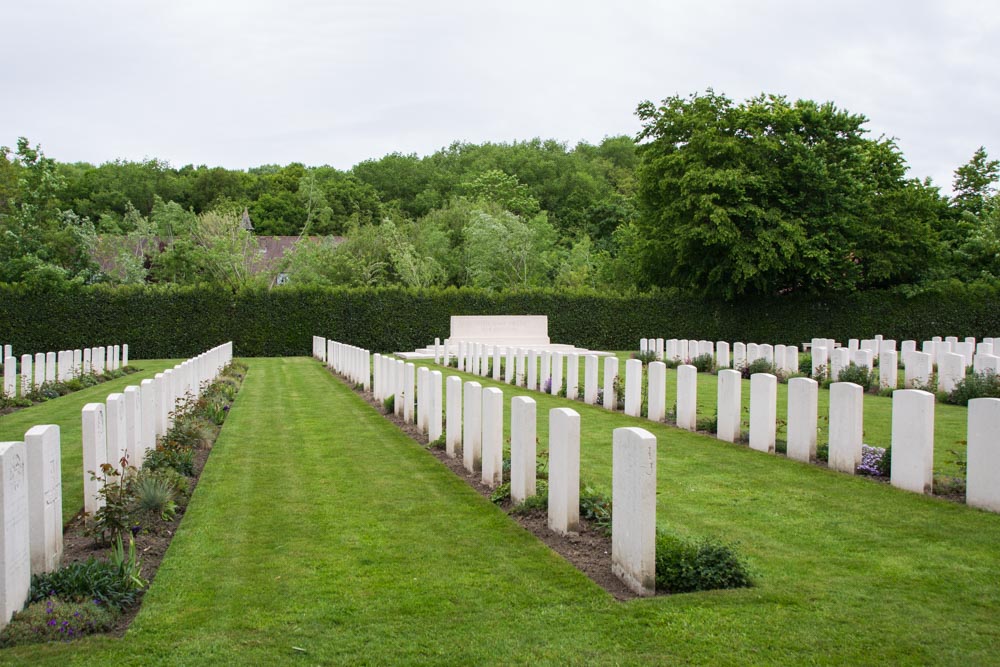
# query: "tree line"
(720, 198)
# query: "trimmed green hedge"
(172, 322)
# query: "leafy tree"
(768, 196)
(505, 252)
(503, 189)
(975, 182)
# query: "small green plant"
(859, 375)
(437, 444)
(974, 385)
(595, 507)
(705, 363)
(80, 581)
(114, 518)
(619, 387)
(539, 501)
(127, 564)
(823, 452)
(757, 366)
(708, 424)
(389, 404)
(500, 494)
(154, 496)
(645, 357)
(55, 620)
(683, 566)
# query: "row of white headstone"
(60, 366)
(951, 356)
(125, 427)
(535, 369)
(912, 437)
(31, 525)
(475, 424)
(846, 401)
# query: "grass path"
(66, 412)
(318, 526)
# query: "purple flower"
(871, 459)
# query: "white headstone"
(912, 463)
(508, 366)
(409, 389)
(472, 427)
(633, 387)
(492, 437)
(572, 376)
(820, 362)
(423, 398)
(523, 447)
(453, 422)
(687, 397)
(117, 439)
(951, 370)
(763, 411)
(888, 369)
(739, 356)
(610, 376)
(656, 393)
(15, 549)
(10, 377)
(846, 426)
(722, 354)
(839, 360)
(729, 401)
(590, 379)
(434, 426)
(633, 522)
(659, 349)
(564, 470)
(26, 377)
(545, 374)
(557, 373)
(983, 454)
(532, 374)
(39, 369)
(150, 409)
(44, 476)
(792, 358)
(803, 417)
(496, 362)
(918, 369)
(133, 425)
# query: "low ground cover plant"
(684, 565)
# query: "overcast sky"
(249, 82)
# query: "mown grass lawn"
(320, 534)
(66, 411)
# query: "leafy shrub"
(389, 404)
(974, 385)
(169, 456)
(708, 424)
(645, 357)
(704, 363)
(55, 620)
(501, 493)
(758, 366)
(683, 566)
(80, 581)
(114, 518)
(595, 507)
(440, 443)
(805, 365)
(823, 452)
(859, 375)
(539, 501)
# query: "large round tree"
(767, 197)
